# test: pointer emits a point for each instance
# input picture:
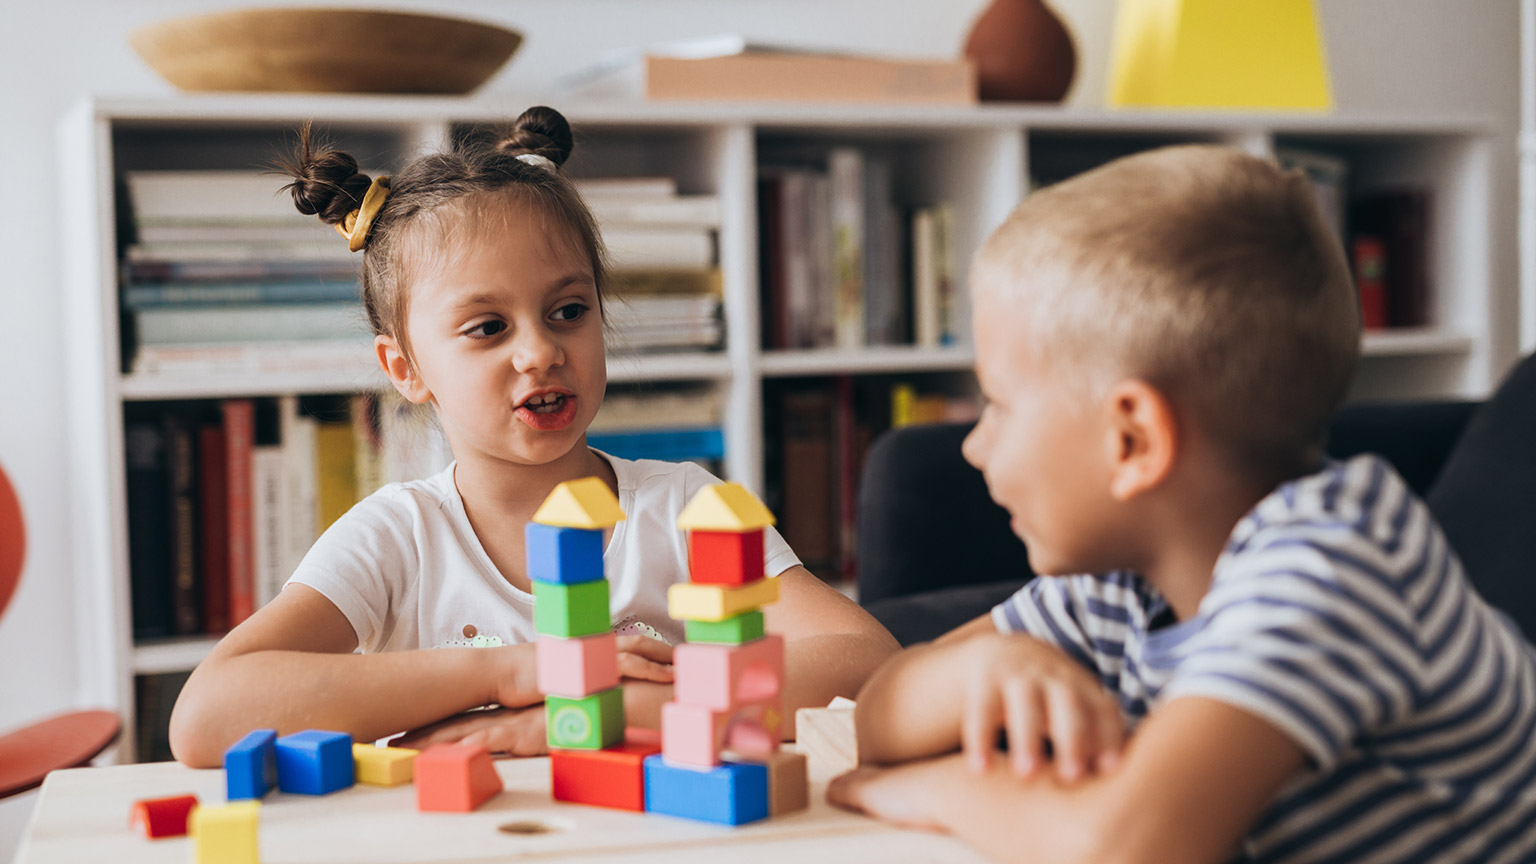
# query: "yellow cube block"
(384, 766)
(225, 835)
(690, 601)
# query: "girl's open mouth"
(548, 412)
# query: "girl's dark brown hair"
(328, 184)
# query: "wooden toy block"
(574, 668)
(455, 778)
(314, 762)
(734, 793)
(789, 785)
(383, 766)
(696, 735)
(571, 611)
(826, 737)
(732, 631)
(164, 817)
(250, 766)
(584, 503)
(724, 507)
(725, 557)
(225, 834)
(564, 555)
(613, 777)
(688, 601)
(589, 723)
(725, 676)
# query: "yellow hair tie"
(357, 223)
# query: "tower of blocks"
(727, 678)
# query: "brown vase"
(1022, 52)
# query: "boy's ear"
(1144, 438)
(400, 370)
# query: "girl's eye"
(571, 312)
(486, 329)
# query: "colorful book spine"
(239, 439)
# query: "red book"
(239, 437)
(213, 498)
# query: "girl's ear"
(400, 370)
(1144, 438)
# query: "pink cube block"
(574, 668)
(724, 677)
(695, 735)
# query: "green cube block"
(569, 611)
(732, 631)
(589, 723)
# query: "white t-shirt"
(406, 569)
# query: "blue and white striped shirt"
(1339, 614)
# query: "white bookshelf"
(979, 160)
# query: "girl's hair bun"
(542, 131)
(326, 183)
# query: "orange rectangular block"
(455, 778)
(614, 777)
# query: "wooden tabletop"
(82, 816)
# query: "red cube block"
(614, 777)
(725, 557)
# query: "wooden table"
(82, 816)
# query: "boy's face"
(1041, 447)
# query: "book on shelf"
(887, 296)
(665, 409)
(654, 187)
(182, 271)
(807, 476)
(683, 211)
(213, 525)
(269, 540)
(308, 231)
(845, 174)
(672, 445)
(239, 439)
(297, 432)
(336, 470)
(198, 197)
(667, 282)
(1400, 220)
(730, 68)
(645, 247)
(237, 295)
(146, 455)
(268, 358)
(154, 697)
(329, 250)
(244, 323)
(186, 604)
(933, 277)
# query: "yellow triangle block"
(1219, 54)
(584, 503)
(724, 507)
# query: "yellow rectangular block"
(383, 766)
(226, 834)
(689, 601)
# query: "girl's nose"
(536, 348)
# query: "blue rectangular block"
(314, 762)
(734, 793)
(250, 766)
(565, 556)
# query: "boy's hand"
(1034, 693)
(897, 795)
(517, 731)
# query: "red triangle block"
(455, 778)
(162, 817)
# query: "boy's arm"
(290, 667)
(1194, 778)
(831, 645)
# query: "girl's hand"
(1033, 693)
(645, 659)
(516, 731)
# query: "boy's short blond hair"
(1204, 271)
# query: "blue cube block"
(565, 556)
(314, 762)
(250, 767)
(734, 793)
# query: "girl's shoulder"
(650, 478)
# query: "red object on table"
(64, 741)
(162, 817)
(455, 778)
(614, 777)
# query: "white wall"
(1403, 55)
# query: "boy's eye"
(486, 329)
(570, 312)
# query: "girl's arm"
(1195, 777)
(290, 667)
(831, 646)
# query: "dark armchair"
(935, 551)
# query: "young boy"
(1276, 658)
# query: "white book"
(367, 445)
(823, 276)
(845, 171)
(301, 495)
(175, 325)
(700, 211)
(626, 188)
(679, 409)
(269, 528)
(925, 279)
(317, 355)
(191, 195)
(304, 230)
(321, 248)
(637, 248)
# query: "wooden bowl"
(325, 51)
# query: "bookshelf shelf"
(977, 162)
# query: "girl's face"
(507, 338)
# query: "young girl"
(483, 278)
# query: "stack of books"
(662, 249)
(224, 272)
(681, 425)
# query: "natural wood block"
(826, 737)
